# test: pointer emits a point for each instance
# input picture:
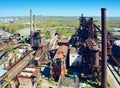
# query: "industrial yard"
(59, 44)
(87, 59)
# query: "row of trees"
(111, 23)
(12, 27)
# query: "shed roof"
(63, 41)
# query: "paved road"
(25, 31)
(111, 78)
(70, 82)
(45, 84)
(76, 82)
(2, 32)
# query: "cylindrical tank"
(116, 49)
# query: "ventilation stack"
(34, 23)
(31, 28)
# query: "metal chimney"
(34, 23)
(31, 28)
(31, 24)
(91, 28)
(104, 49)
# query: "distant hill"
(41, 16)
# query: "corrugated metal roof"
(29, 69)
(63, 41)
(61, 52)
(27, 74)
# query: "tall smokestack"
(31, 24)
(92, 29)
(104, 49)
(31, 28)
(81, 21)
(34, 23)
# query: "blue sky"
(59, 7)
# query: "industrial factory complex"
(89, 57)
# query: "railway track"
(20, 65)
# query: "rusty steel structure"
(93, 50)
(59, 62)
(95, 58)
(41, 54)
(114, 53)
(87, 38)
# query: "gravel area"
(24, 32)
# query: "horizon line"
(55, 16)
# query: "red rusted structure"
(59, 62)
(89, 43)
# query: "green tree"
(9, 47)
(47, 35)
(3, 28)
